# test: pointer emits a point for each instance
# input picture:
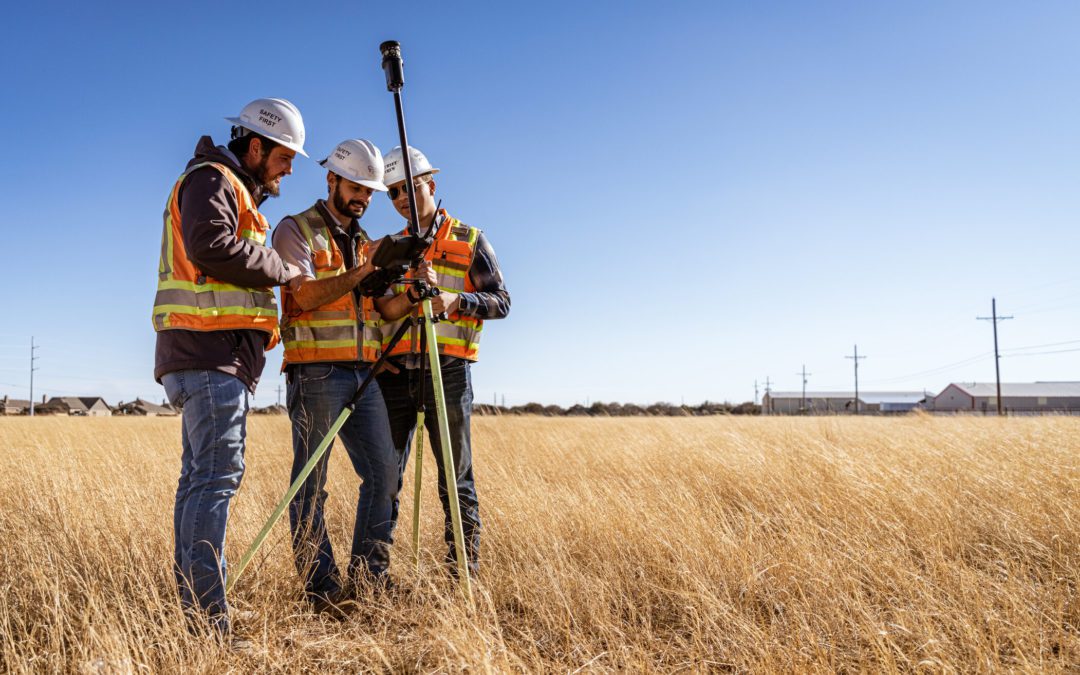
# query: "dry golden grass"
(819, 544)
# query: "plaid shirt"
(490, 300)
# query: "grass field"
(719, 544)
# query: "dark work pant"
(317, 393)
(400, 391)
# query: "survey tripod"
(429, 352)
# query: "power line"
(934, 371)
(1048, 344)
(1056, 351)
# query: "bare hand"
(427, 273)
(294, 282)
(445, 302)
(366, 250)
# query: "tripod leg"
(293, 489)
(421, 408)
(448, 457)
(417, 479)
(310, 466)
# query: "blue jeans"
(317, 393)
(214, 425)
(400, 391)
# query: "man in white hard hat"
(215, 315)
(462, 264)
(331, 335)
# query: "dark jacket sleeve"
(208, 221)
(491, 300)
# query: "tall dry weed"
(720, 544)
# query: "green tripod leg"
(421, 409)
(293, 489)
(417, 477)
(448, 457)
(313, 461)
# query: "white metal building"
(839, 402)
(981, 397)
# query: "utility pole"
(856, 359)
(33, 358)
(279, 395)
(804, 374)
(768, 392)
(755, 392)
(997, 358)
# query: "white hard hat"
(395, 168)
(275, 118)
(359, 161)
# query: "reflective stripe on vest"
(329, 332)
(190, 300)
(451, 256)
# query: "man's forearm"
(392, 309)
(314, 293)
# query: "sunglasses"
(395, 192)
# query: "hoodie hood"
(206, 151)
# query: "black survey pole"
(395, 80)
(394, 68)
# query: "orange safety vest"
(330, 332)
(451, 256)
(188, 299)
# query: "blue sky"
(684, 198)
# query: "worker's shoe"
(337, 605)
(239, 645)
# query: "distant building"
(14, 406)
(145, 409)
(83, 406)
(839, 402)
(271, 410)
(1034, 397)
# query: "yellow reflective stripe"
(439, 269)
(321, 344)
(179, 284)
(165, 264)
(214, 311)
(458, 342)
(328, 323)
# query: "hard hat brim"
(291, 146)
(373, 184)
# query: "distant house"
(981, 397)
(83, 406)
(271, 410)
(145, 409)
(839, 402)
(14, 406)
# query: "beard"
(262, 175)
(353, 208)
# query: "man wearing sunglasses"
(462, 264)
(331, 336)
